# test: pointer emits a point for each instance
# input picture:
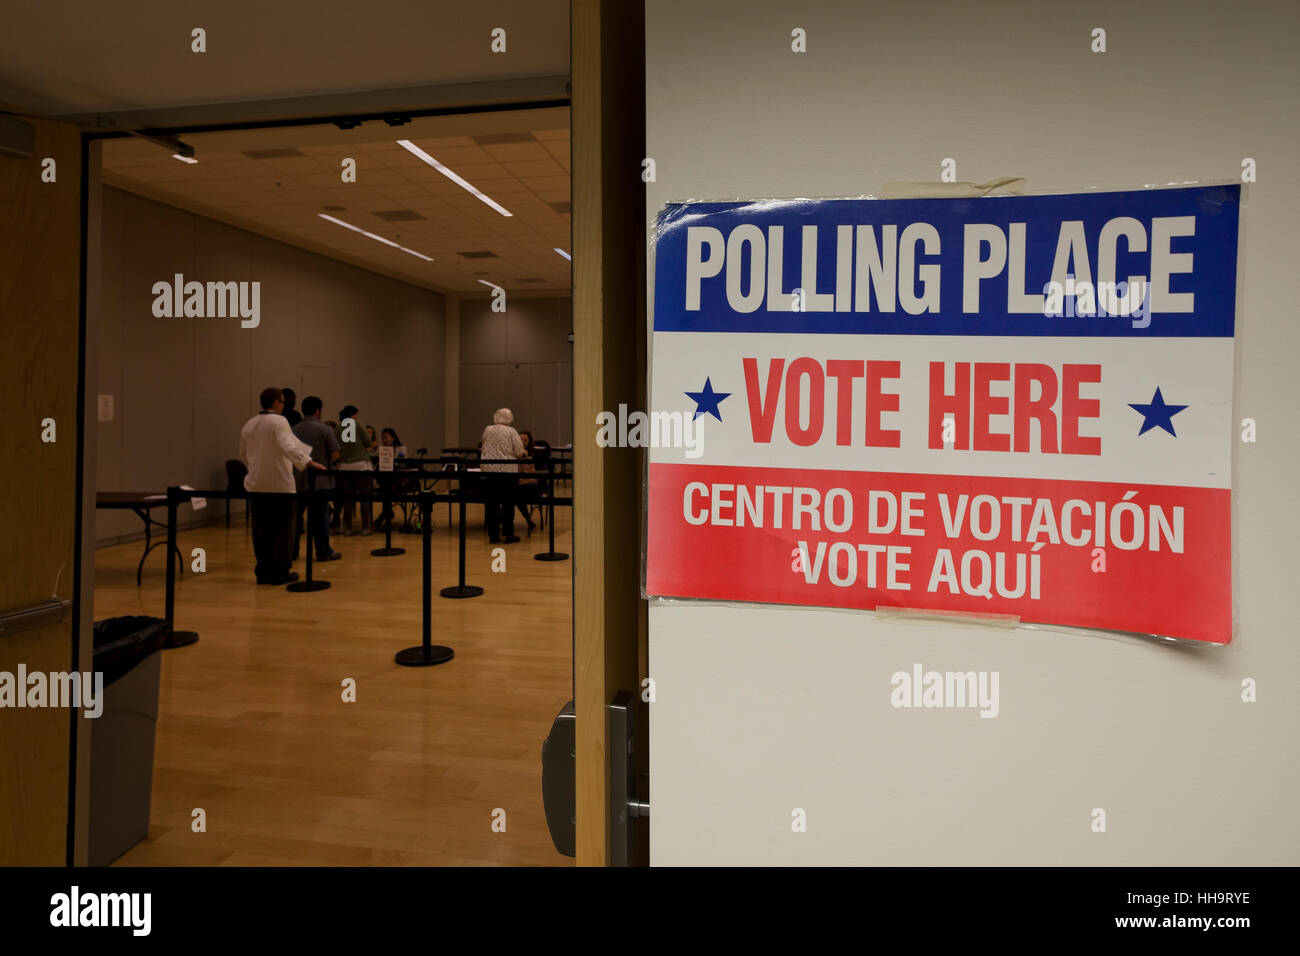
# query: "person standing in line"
(290, 412)
(271, 453)
(325, 450)
(293, 417)
(336, 503)
(500, 440)
(354, 455)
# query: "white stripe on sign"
(1089, 426)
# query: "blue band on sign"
(1155, 262)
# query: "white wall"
(183, 387)
(761, 710)
(519, 359)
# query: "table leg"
(150, 544)
(148, 536)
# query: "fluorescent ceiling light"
(490, 285)
(563, 253)
(371, 235)
(184, 159)
(415, 151)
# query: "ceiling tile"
(540, 183)
(483, 173)
(517, 152)
(454, 157)
(545, 167)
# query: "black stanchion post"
(426, 652)
(388, 548)
(307, 584)
(462, 590)
(552, 554)
(175, 638)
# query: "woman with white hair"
(500, 441)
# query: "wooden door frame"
(607, 133)
(40, 750)
(83, 649)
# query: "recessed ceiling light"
(184, 159)
(420, 154)
(563, 253)
(371, 235)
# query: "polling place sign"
(1015, 406)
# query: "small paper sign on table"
(195, 503)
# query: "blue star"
(706, 401)
(1157, 414)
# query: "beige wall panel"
(185, 386)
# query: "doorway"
(288, 725)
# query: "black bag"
(123, 642)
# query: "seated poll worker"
(271, 453)
(388, 482)
(529, 492)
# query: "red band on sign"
(1151, 559)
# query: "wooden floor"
(252, 727)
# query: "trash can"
(122, 739)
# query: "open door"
(41, 251)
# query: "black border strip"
(559, 103)
(78, 557)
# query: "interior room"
(377, 251)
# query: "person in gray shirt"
(324, 449)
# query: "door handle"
(625, 807)
(50, 611)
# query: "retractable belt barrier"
(426, 652)
(556, 470)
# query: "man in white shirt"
(271, 452)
